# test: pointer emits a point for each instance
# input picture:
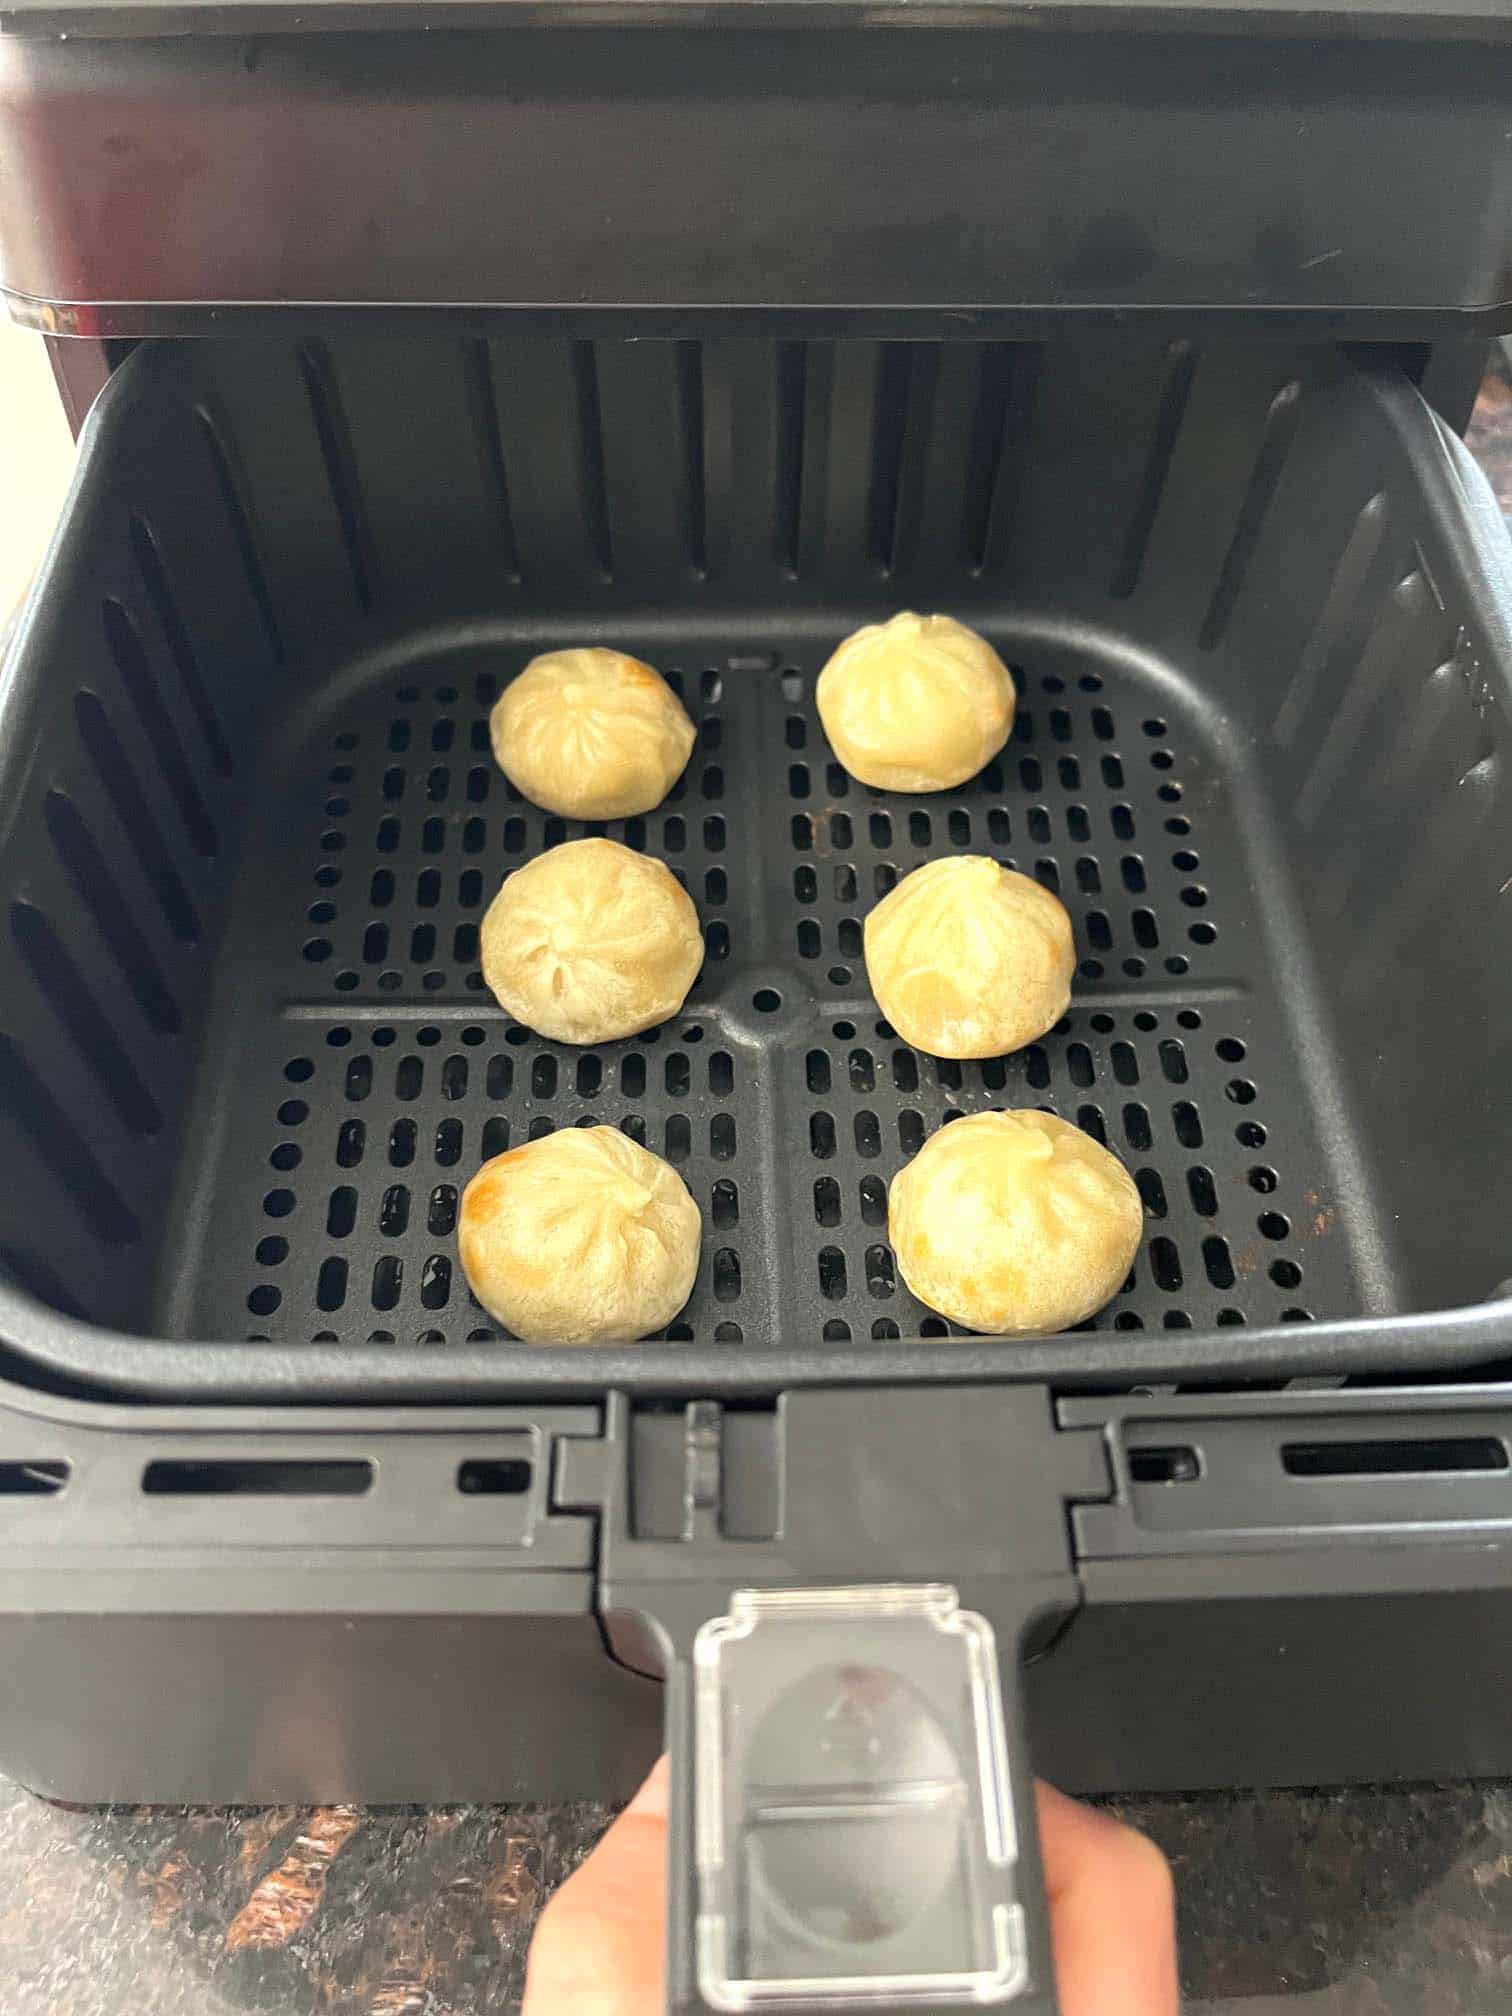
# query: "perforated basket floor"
(361, 1071)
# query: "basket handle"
(852, 1817)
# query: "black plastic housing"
(194, 1607)
(1335, 172)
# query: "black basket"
(1257, 611)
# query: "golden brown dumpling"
(917, 704)
(1014, 1223)
(591, 941)
(581, 1237)
(969, 959)
(592, 734)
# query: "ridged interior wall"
(401, 481)
(256, 520)
(1382, 726)
(128, 754)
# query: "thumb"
(1112, 1912)
(598, 1949)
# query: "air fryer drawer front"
(361, 1606)
(1341, 175)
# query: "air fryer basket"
(1259, 624)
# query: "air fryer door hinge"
(838, 1591)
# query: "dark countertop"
(1365, 1902)
(1356, 1903)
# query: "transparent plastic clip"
(855, 1837)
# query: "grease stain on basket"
(1322, 1217)
(824, 842)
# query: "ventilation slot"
(1217, 1262)
(131, 808)
(388, 1282)
(1165, 1263)
(1004, 408)
(889, 424)
(1451, 1455)
(27, 1102)
(335, 440)
(494, 1477)
(1173, 405)
(1136, 1120)
(787, 504)
(68, 995)
(832, 1277)
(331, 1285)
(142, 691)
(1188, 1124)
(107, 906)
(170, 619)
(241, 531)
(435, 1282)
(1342, 607)
(994, 378)
(726, 1274)
(393, 1212)
(32, 1480)
(1280, 426)
(1179, 1464)
(880, 1277)
(478, 370)
(591, 453)
(690, 413)
(257, 1477)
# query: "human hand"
(1112, 1912)
(598, 1950)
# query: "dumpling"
(582, 1237)
(970, 959)
(591, 734)
(916, 704)
(1014, 1223)
(591, 941)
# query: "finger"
(598, 1949)
(1112, 1912)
